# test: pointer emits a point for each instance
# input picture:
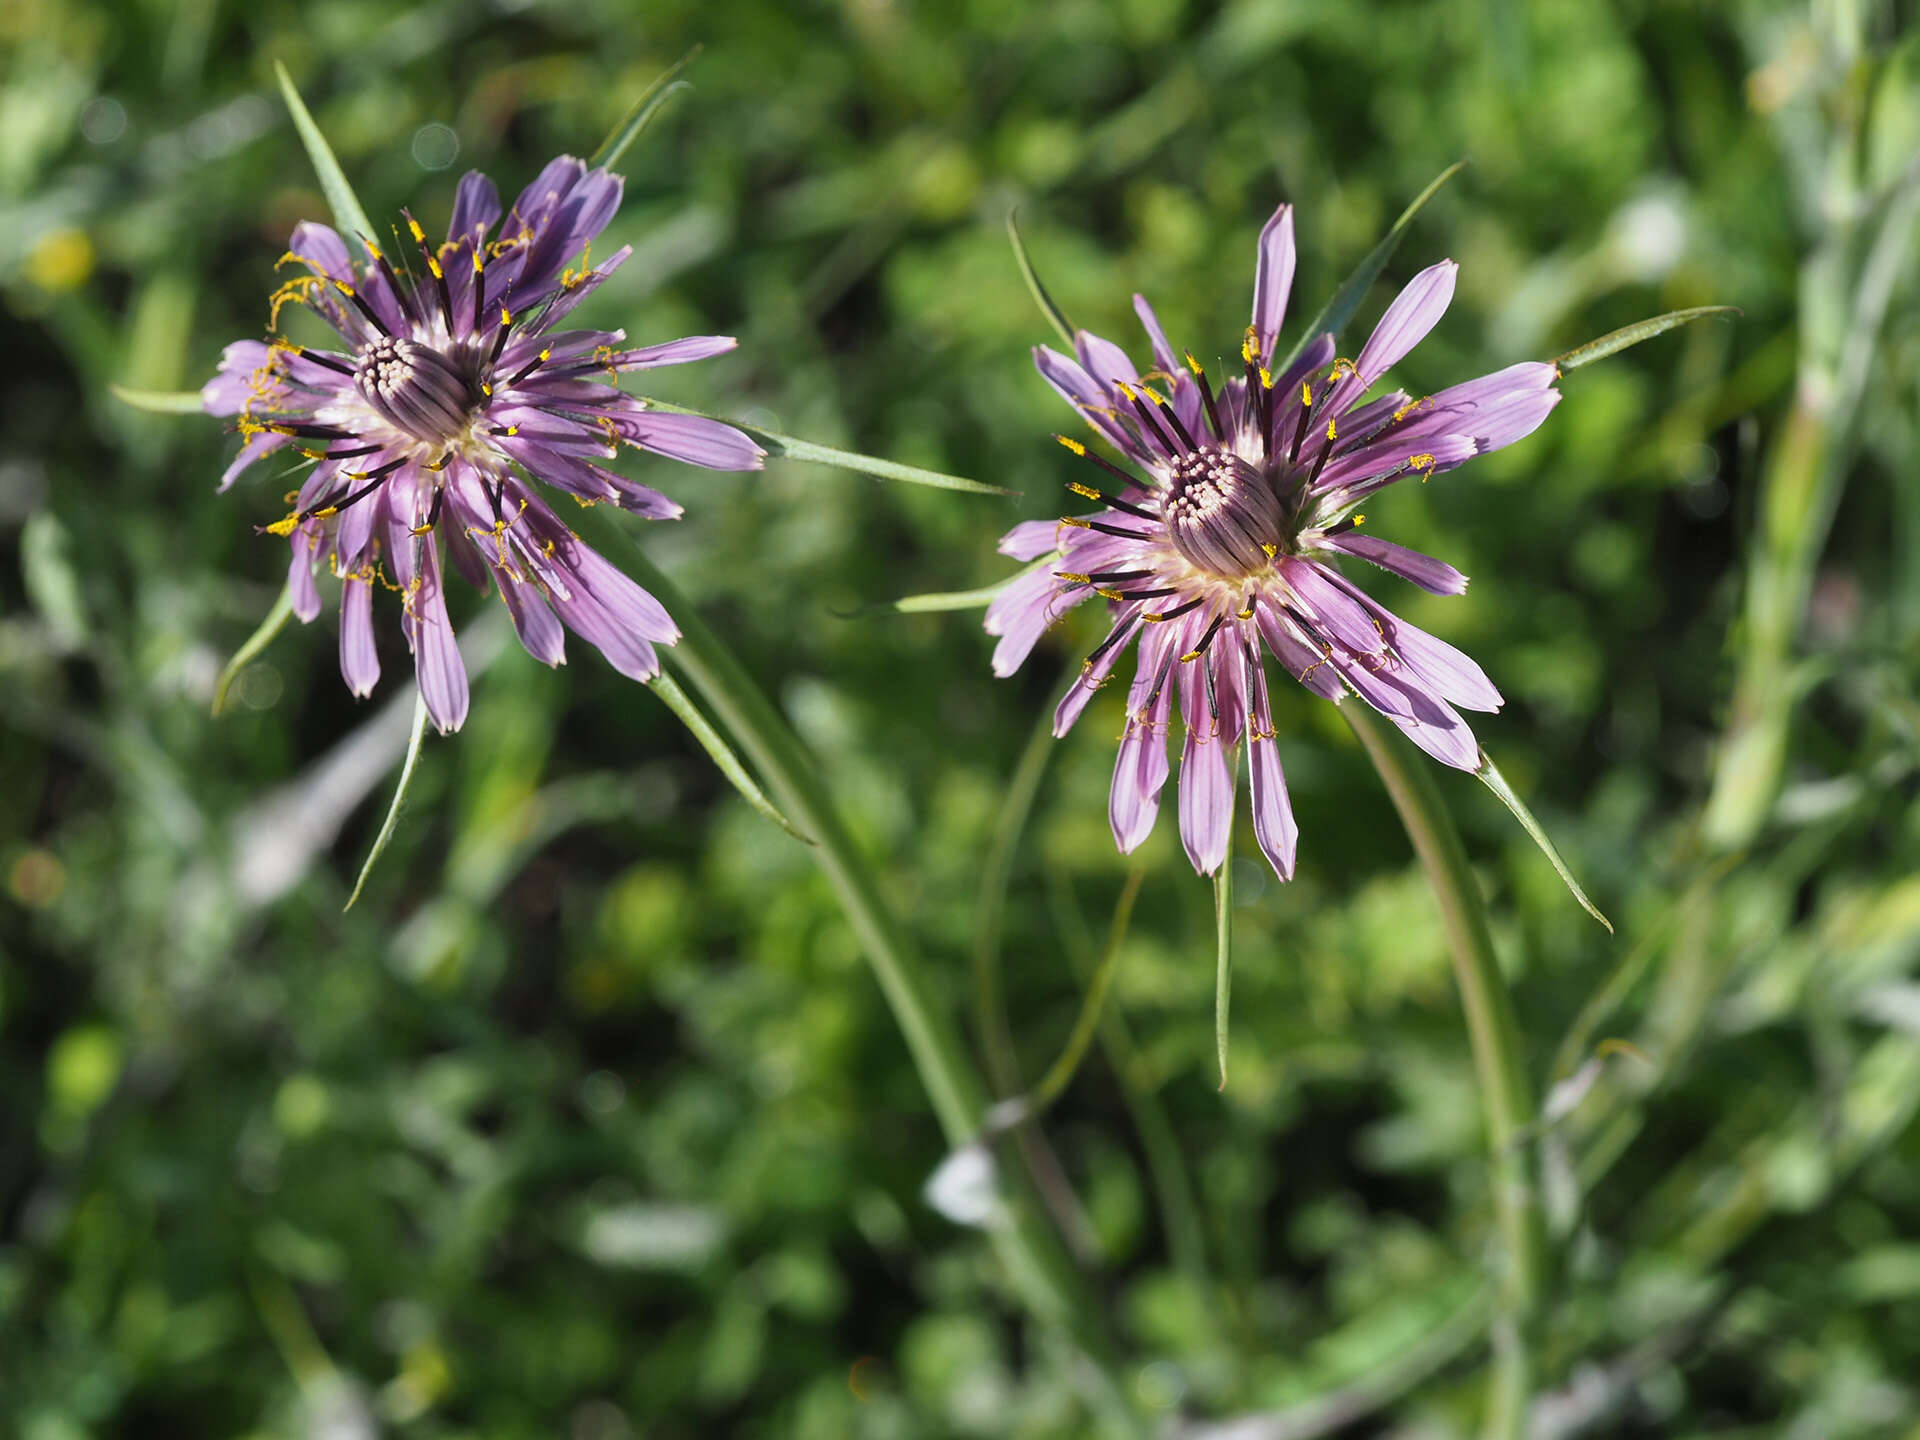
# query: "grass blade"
(716, 746)
(1339, 309)
(1489, 775)
(1055, 315)
(788, 447)
(944, 599)
(1628, 335)
(392, 822)
(270, 627)
(347, 212)
(159, 402)
(1223, 962)
(643, 112)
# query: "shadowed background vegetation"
(589, 1120)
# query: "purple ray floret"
(1220, 541)
(450, 391)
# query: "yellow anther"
(485, 388)
(479, 265)
(1074, 445)
(1115, 595)
(513, 429)
(313, 454)
(433, 267)
(1074, 521)
(1247, 614)
(1249, 347)
(1271, 550)
(506, 317)
(1072, 578)
(1330, 430)
(441, 463)
(1266, 378)
(285, 526)
(1359, 520)
(1124, 388)
(1155, 617)
(344, 288)
(1343, 367)
(1193, 364)
(1086, 491)
(421, 530)
(413, 227)
(1306, 396)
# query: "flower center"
(1222, 514)
(416, 389)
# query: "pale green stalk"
(1040, 1270)
(1494, 1035)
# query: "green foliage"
(588, 1118)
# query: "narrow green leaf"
(158, 402)
(392, 821)
(347, 211)
(1489, 775)
(1629, 335)
(275, 622)
(1339, 309)
(1223, 962)
(1055, 316)
(789, 448)
(716, 746)
(944, 599)
(643, 112)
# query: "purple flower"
(451, 389)
(1229, 548)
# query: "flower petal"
(476, 207)
(1434, 576)
(305, 546)
(1093, 674)
(1323, 600)
(1273, 280)
(693, 439)
(1091, 402)
(359, 656)
(1206, 776)
(1414, 312)
(1031, 539)
(675, 352)
(437, 665)
(1140, 770)
(1273, 823)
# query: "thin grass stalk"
(1494, 1035)
(1041, 1272)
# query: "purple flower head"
(1227, 546)
(450, 390)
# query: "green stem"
(1495, 1037)
(1041, 1272)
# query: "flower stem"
(1041, 1272)
(1495, 1037)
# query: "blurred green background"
(589, 1120)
